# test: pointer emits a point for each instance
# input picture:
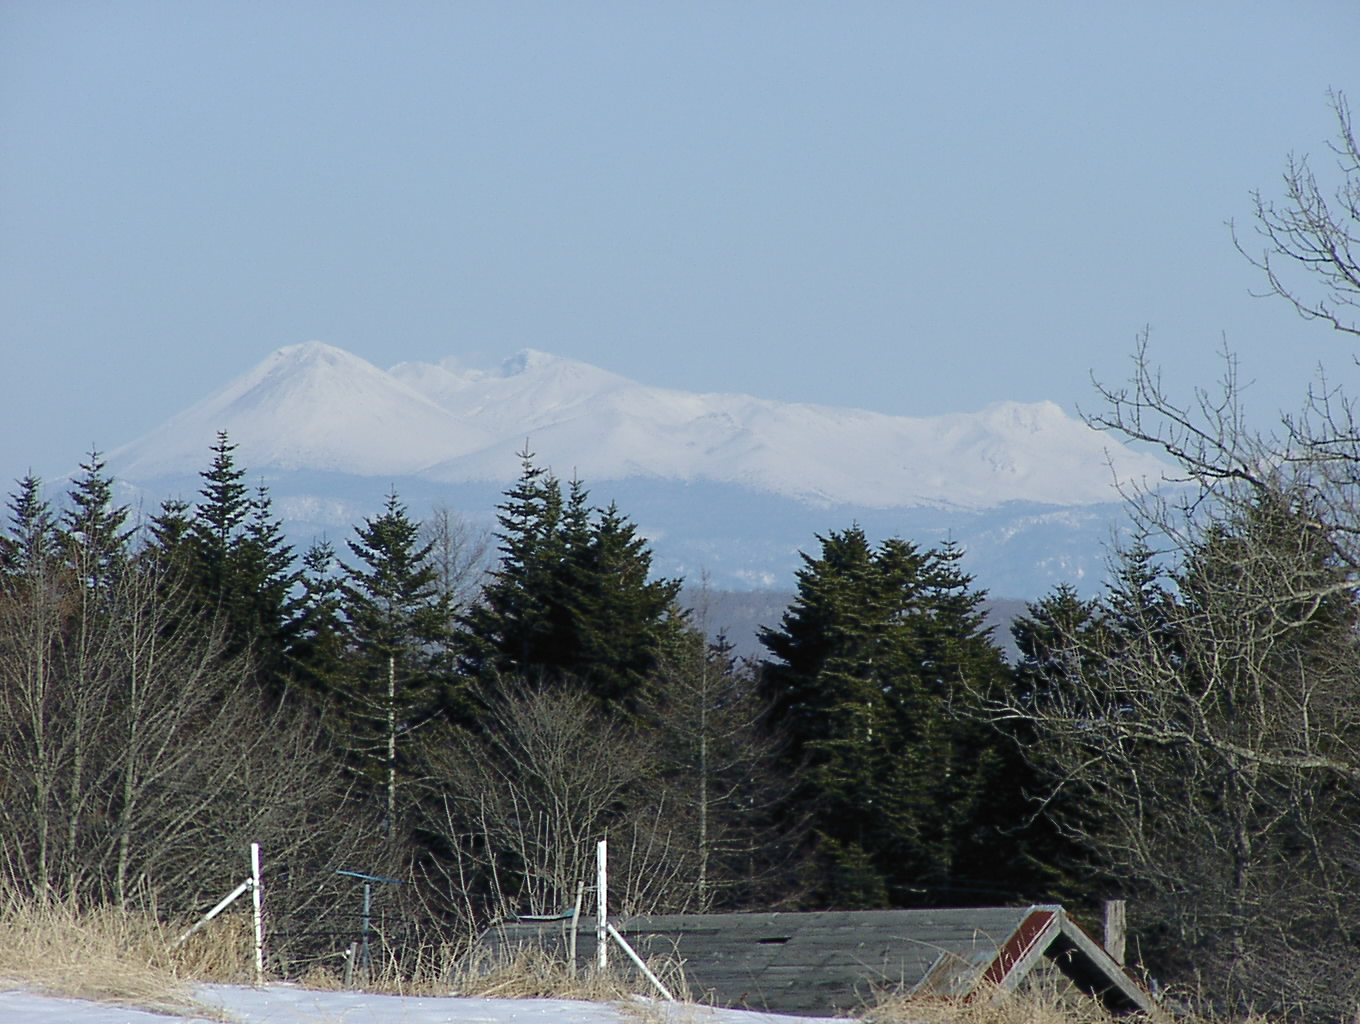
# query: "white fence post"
(255, 883)
(602, 904)
(257, 894)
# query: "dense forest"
(175, 688)
(178, 687)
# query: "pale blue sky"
(916, 208)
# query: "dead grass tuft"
(450, 970)
(536, 974)
(115, 956)
(1033, 1005)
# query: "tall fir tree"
(572, 598)
(95, 530)
(318, 652)
(169, 535)
(398, 628)
(872, 668)
(33, 538)
(1060, 640)
(239, 567)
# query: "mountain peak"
(306, 406)
(313, 353)
(528, 360)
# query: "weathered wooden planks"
(792, 961)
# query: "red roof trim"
(1018, 946)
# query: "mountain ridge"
(727, 488)
(316, 406)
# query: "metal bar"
(614, 934)
(214, 912)
(370, 878)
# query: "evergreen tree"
(1053, 640)
(33, 539)
(872, 668)
(229, 551)
(241, 564)
(623, 622)
(571, 598)
(318, 650)
(221, 515)
(511, 628)
(95, 531)
(1061, 640)
(169, 532)
(265, 583)
(399, 674)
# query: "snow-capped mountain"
(723, 485)
(310, 406)
(317, 407)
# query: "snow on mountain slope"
(308, 406)
(818, 454)
(317, 407)
(528, 391)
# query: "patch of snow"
(288, 1004)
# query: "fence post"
(350, 955)
(257, 895)
(602, 904)
(255, 883)
(368, 927)
(1115, 930)
(575, 926)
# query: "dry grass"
(1038, 1004)
(114, 956)
(533, 974)
(530, 974)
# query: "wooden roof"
(826, 962)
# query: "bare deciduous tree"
(727, 801)
(1208, 737)
(461, 553)
(526, 796)
(1206, 734)
(140, 759)
(1312, 233)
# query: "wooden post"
(351, 957)
(602, 905)
(1114, 930)
(575, 927)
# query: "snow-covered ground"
(286, 1004)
